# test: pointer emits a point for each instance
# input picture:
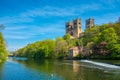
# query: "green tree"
(91, 42)
(115, 52)
(3, 52)
(66, 37)
(91, 35)
(109, 35)
(116, 26)
(37, 50)
(61, 48)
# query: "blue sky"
(28, 21)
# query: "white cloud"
(28, 32)
(61, 12)
(49, 11)
(9, 28)
(31, 31)
(90, 7)
(14, 19)
(57, 27)
(19, 36)
(15, 46)
(28, 16)
(110, 4)
(107, 18)
(75, 10)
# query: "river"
(23, 69)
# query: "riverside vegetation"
(3, 52)
(103, 40)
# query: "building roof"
(103, 43)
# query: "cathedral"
(74, 28)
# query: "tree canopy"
(3, 52)
(100, 41)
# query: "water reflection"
(71, 70)
(75, 66)
(55, 70)
(1, 70)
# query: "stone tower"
(89, 23)
(74, 28)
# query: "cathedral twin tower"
(74, 27)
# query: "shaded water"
(23, 69)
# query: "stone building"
(89, 23)
(74, 28)
(73, 52)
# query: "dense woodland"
(103, 40)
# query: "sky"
(27, 21)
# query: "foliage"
(91, 42)
(66, 37)
(3, 52)
(61, 48)
(48, 48)
(38, 50)
(104, 33)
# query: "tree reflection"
(1, 70)
(69, 70)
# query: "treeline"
(103, 41)
(97, 42)
(47, 48)
(3, 52)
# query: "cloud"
(57, 27)
(9, 28)
(53, 11)
(49, 11)
(32, 31)
(16, 37)
(15, 46)
(107, 18)
(14, 19)
(61, 12)
(89, 7)
(27, 29)
(19, 36)
(110, 4)
(30, 14)
(15, 33)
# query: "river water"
(23, 69)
